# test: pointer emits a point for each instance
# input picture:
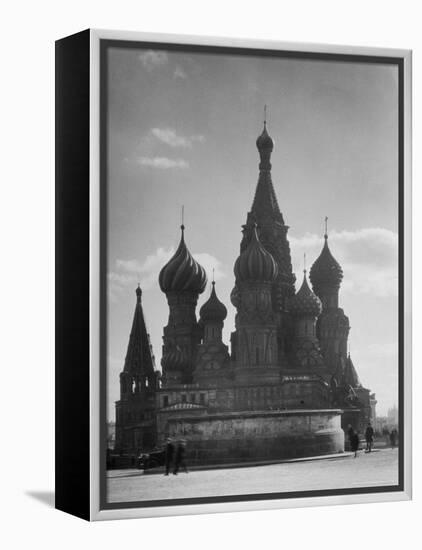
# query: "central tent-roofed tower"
(266, 217)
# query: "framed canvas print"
(233, 275)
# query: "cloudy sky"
(182, 131)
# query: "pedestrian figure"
(350, 434)
(180, 461)
(386, 434)
(393, 437)
(354, 442)
(169, 455)
(369, 436)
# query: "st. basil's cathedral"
(285, 387)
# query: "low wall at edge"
(253, 435)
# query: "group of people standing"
(354, 439)
(175, 456)
(391, 437)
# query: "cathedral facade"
(285, 386)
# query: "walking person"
(369, 437)
(169, 455)
(180, 461)
(354, 442)
(386, 434)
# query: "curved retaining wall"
(254, 436)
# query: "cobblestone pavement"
(369, 469)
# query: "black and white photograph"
(252, 241)
(210, 283)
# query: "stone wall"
(266, 435)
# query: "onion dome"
(305, 303)
(213, 309)
(265, 146)
(175, 359)
(255, 263)
(326, 272)
(265, 142)
(182, 272)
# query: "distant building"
(285, 387)
(393, 416)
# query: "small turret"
(326, 275)
(213, 311)
(305, 303)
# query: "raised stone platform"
(222, 438)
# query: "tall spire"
(139, 357)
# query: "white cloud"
(152, 58)
(128, 273)
(163, 163)
(369, 258)
(172, 138)
(209, 263)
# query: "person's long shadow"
(45, 497)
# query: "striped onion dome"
(326, 273)
(175, 359)
(305, 303)
(213, 309)
(255, 263)
(182, 272)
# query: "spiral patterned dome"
(305, 303)
(213, 309)
(182, 272)
(326, 272)
(255, 263)
(265, 142)
(175, 359)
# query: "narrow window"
(202, 398)
(166, 401)
(257, 355)
(184, 398)
(192, 398)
